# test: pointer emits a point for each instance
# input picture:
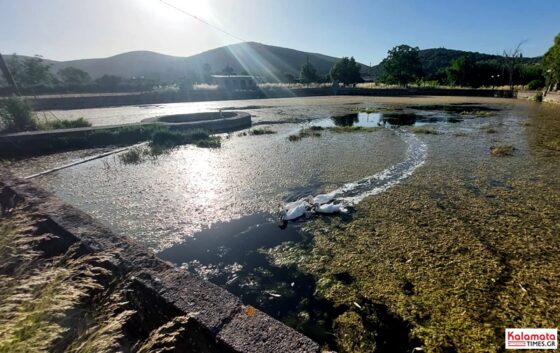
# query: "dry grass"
(502, 150)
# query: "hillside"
(269, 62)
(436, 59)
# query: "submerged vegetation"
(424, 130)
(264, 131)
(502, 150)
(315, 131)
(164, 140)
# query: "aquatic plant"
(502, 150)
(134, 155)
(264, 131)
(303, 134)
(424, 130)
(370, 110)
(343, 129)
(478, 113)
(490, 130)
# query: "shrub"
(64, 124)
(133, 155)
(17, 115)
(256, 132)
(535, 85)
(538, 97)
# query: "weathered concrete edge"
(232, 324)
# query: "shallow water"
(213, 211)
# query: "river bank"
(79, 287)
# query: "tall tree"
(346, 70)
(551, 64)
(308, 73)
(30, 71)
(511, 61)
(402, 65)
(228, 70)
(73, 76)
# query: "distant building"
(235, 82)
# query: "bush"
(538, 97)
(64, 124)
(17, 115)
(535, 85)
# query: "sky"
(365, 29)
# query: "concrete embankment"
(71, 284)
(110, 100)
(550, 97)
(40, 142)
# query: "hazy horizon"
(64, 30)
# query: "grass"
(478, 113)
(304, 133)
(133, 156)
(502, 150)
(314, 131)
(424, 130)
(491, 130)
(370, 110)
(17, 115)
(64, 124)
(256, 132)
(164, 140)
(343, 129)
(552, 144)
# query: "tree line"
(402, 66)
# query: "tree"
(307, 74)
(30, 71)
(207, 73)
(551, 63)
(511, 61)
(402, 65)
(73, 76)
(228, 70)
(346, 70)
(109, 81)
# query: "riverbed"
(455, 246)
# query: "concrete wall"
(42, 142)
(157, 291)
(94, 101)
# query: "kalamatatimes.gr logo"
(531, 338)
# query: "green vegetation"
(478, 113)
(346, 71)
(370, 110)
(343, 129)
(402, 66)
(163, 140)
(304, 133)
(491, 130)
(551, 63)
(502, 150)
(73, 76)
(256, 132)
(133, 155)
(64, 124)
(308, 73)
(17, 115)
(30, 71)
(424, 130)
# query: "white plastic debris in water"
(330, 208)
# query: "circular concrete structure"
(213, 121)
